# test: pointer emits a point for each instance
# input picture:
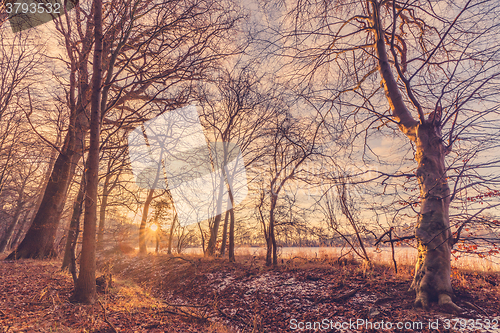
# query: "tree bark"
(202, 238)
(171, 235)
(271, 254)
(102, 212)
(224, 235)
(15, 219)
(231, 235)
(85, 288)
(142, 229)
(432, 280)
(10, 231)
(214, 230)
(212, 241)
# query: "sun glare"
(153, 227)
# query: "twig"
(299, 258)
(342, 297)
(175, 257)
(106, 320)
(180, 312)
(380, 238)
(393, 255)
(236, 317)
(345, 295)
(399, 239)
(389, 233)
(186, 305)
(475, 307)
(33, 127)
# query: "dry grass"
(248, 296)
(35, 298)
(405, 256)
(148, 291)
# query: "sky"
(389, 153)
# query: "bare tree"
(144, 62)
(234, 114)
(440, 82)
(85, 287)
(20, 189)
(293, 140)
(115, 153)
(353, 233)
(69, 259)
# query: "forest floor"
(160, 293)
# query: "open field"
(405, 256)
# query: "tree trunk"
(22, 224)
(43, 185)
(202, 238)
(69, 260)
(102, 212)
(171, 235)
(12, 226)
(142, 229)
(16, 239)
(231, 236)
(85, 288)
(432, 281)
(17, 214)
(224, 235)
(212, 241)
(157, 236)
(231, 225)
(433, 268)
(271, 240)
(214, 230)
(39, 240)
(41, 189)
(269, 249)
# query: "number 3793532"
(33, 8)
